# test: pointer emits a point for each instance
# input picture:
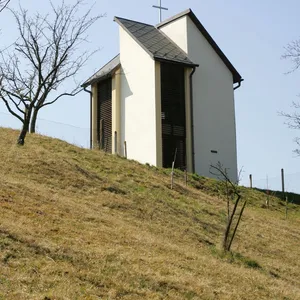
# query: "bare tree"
(3, 4)
(46, 56)
(292, 53)
(231, 190)
(293, 122)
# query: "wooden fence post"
(172, 173)
(172, 176)
(282, 184)
(250, 177)
(116, 142)
(268, 198)
(286, 206)
(125, 149)
(185, 177)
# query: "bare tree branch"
(3, 4)
(62, 95)
(221, 173)
(292, 53)
(46, 55)
(10, 110)
(293, 122)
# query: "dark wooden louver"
(105, 115)
(173, 115)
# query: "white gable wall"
(213, 100)
(138, 118)
(213, 103)
(177, 32)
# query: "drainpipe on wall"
(192, 119)
(91, 112)
(239, 84)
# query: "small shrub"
(195, 176)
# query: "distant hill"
(82, 224)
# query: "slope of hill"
(81, 224)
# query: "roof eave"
(100, 78)
(94, 78)
(236, 75)
(187, 64)
(237, 79)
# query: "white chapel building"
(170, 90)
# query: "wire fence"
(81, 137)
(274, 183)
(72, 134)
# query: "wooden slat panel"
(105, 115)
(173, 115)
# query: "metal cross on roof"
(160, 9)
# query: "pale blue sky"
(252, 34)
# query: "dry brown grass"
(80, 224)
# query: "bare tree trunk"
(222, 174)
(25, 128)
(33, 120)
(237, 225)
(228, 203)
(228, 226)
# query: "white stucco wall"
(213, 103)
(177, 32)
(138, 118)
(213, 100)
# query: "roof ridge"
(133, 21)
(173, 18)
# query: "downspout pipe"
(192, 118)
(91, 114)
(239, 84)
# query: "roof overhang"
(106, 71)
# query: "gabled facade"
(170, 92)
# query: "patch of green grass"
(235, 258)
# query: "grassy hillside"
(81, 224)
(292, 197)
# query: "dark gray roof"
(104, 72)
(236, 76)
(155, 42)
